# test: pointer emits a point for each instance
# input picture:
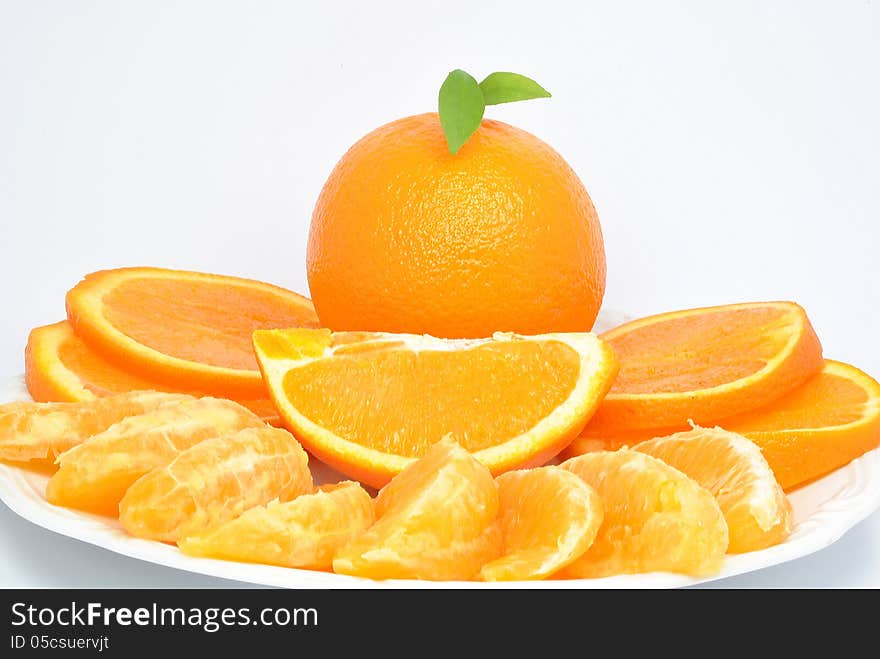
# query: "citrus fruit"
(215, 481)
(502, 236)
(656, 518)
(305, 532)
(549, 517)
(757, 513)
(59, 366)
(830, 420)
(41, 431)
(94, 475)
(191, 331)
(435, 520)
(369, 404)
(706, 364)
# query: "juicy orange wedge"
(303, 533)
(732, 468)
(215, 481)
(706, 364)
(95, 475)
(369, 404)
(656, 518)
(41, 431)
(59, 366)
(549, 517)
(435, 520)
(189, 330)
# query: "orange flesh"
(694, 352)
(197, 321)
(429, 394)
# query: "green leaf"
(503, 87)
(461, 108)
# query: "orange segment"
(829, 421)
(436, 520)
(41, 431)
(732, 468)
(369, 404)
(189, 330)
(95, 475)
(656, 518)
(59, 366)
(304, 533)
(706, 364)
(549, 517)
(215, 481)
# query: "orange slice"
(549, 517)
(59, 366)
(215, 481)
(304, 533)
(821, 426)
(656, 518)
(732, 468)
(435, 520)
(190, 330)
(369, 404)
(706, 364)
(41, 431)
(95, 475)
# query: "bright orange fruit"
(41, 431)
(59, 366)
(732, 468)
(94, 475)
(191, 331)
(369, 404)
(656, 518)
(706, 364)
(305, 532)
(549, 517)
(435, 520)
(501, 236)
(215, 481)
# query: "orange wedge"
(369, 404)
(215, 481)
(191, 331)
(41, 431)
(732, 468)
(706, 364)
(59, 366)
(829, 421)
(549, 517)
(435, 520)
(656, 518)
(95, 475)
(304, 533)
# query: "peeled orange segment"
(189, 330)
(369, 404)
(303, 533)
(732, 468)
(830, 420)
(706, 364)
(94, 475)
(549, 517)
(215, 481)
(435, 520)
(41, 431)
(59, 366)
(656, 518)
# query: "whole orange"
(502, 236)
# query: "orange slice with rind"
(370, 404)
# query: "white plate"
(823, 511)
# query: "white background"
(730, 149)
